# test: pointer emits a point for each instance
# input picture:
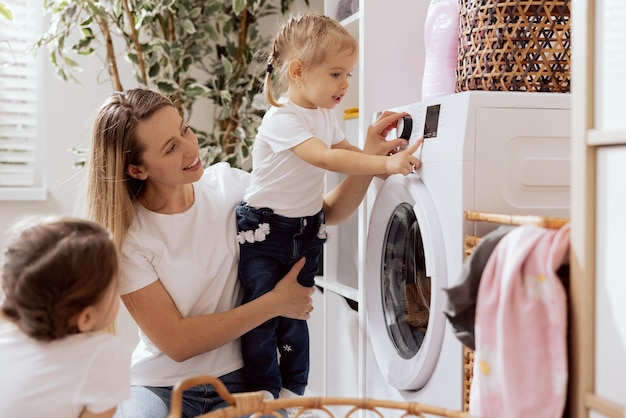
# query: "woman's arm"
(341, 202)
(182, 338)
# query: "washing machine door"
(405, 271)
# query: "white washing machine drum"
(405, 271)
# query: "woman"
(174, 225)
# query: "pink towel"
(520, 362)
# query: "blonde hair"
(111, 191)
(52, 271)
(309, 38)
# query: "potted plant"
(187, 49)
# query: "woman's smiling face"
(171, 155)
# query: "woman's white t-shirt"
(194, 254)
(59, 379)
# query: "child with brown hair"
(60, 292)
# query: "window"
(20, 165)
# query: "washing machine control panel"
(432, 121)
(405, 127)
(421, 121)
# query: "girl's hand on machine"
(404, 162)
(376, 142)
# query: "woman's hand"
(294, 300)
(376, 142)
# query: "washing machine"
(505, 152)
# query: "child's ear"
(85, 319)
(136, 172)
(295, 70)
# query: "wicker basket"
(470, 243)
(254, 405)
(514, 45)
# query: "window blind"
(19, 98)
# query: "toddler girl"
(281, 218)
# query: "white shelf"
(339, 289)
(600, 137)
(351, 23)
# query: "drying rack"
(470, 243)
(253, 404)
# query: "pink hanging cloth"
(520, 361)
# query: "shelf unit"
(388, 74)
(597, 209)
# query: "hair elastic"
(270, 68)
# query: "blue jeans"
(154, 402)
(266, 256)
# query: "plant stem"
(229, 143)
(111, 62)
(135, 37)
(243, 36)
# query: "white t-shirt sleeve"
(136, 266)
(285, 131)
(234, 178)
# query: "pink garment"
(520, 362)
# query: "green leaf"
(195, 90)
(68, 61)
(187, 26)
(5, 12)
(87, 31)
(176, 53)
(228, 27)
(86, 51)
(238, 6)
(167, 87)
(154, 70)
(228, 66)
(212, 33)
(70, 12)
(216, 7)
(195, 13)
(83, 44)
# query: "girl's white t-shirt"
(59, 379)
(281, 180)
(194, 254)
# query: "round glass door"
(405, 287)
(405, 270)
